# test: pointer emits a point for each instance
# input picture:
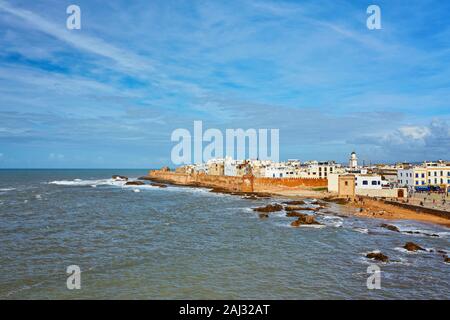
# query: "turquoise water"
(189, 243)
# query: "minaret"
(353, 162)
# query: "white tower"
(353, 162)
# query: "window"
(423, 175)
(365, 182)
(417, 183)
(423, 182)
(379, 182)
(417, 175)
(346, 183)
(374, 183)
(442, 173)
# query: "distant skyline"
(110, 95)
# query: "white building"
(428, 174)
(316, 169)
(368, 181)
(353, 161)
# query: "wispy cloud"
(137, 70)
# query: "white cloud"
(414, 132)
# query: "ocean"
(144, 242)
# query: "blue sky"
(110, 95)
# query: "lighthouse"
(353, 162)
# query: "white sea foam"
(333, 221)
(403, 250)
(7, 189)
(80, 183)
(361, 230)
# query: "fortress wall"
(242, 184)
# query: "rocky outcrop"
(263, 215)
(304, 220)
(269, 208)
(294, 203)
(341, 201)
(159, 185)
(446, 259)
(411, 246)
(295, 214)
(134, 183)
(422, 233)
(296, 208)
(390, 227)
(378, 256)
(119, 178)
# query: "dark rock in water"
(295, 208)
(269, 208)
(295, 214)
(120, 178)
(390, 227)
(304, 220)
(446, 259)
(134, 183)
(441, 251)
(295, 203)
(377, 256)
(411, 246)
(160, 185)
(263, 215)
(425, 234)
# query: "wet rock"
(304, 220)
(446, 259)
(160, 185)
(134, 183)
(441, 251)
(422, 233)
(269, 208)
(295, 203)
(377, 256)
(295, 214)
(295, 208)
(390, 227)
(263, 215)
(119, 178)
(411, 246)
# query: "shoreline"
(369, 208)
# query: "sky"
(110, 94)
